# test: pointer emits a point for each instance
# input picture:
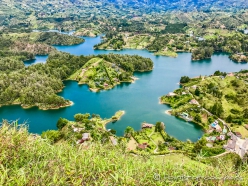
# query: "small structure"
(113, 140)
(238, 134)
(216, 126)
(230, 74)
(194, 102)
(224, 131)
(211, 138)
(97, 83)
(105, 84)
(171, 94)
(201, 39)
(147, 125)
(143, 146)
(186, 116)
(209, 145)
(184, 93)
(194, 87)
(246, 31)
(86, 136)
(75, 129)
(222, 137)
(172, 148)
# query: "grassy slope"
(26, 160)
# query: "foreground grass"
(30, 160)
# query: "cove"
(139, 99)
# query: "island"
(38, 85)
(100, 74)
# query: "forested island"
(37, 85)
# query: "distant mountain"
(184, 4)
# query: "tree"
(113, 131)
(245, 113)
(229, 119)
(61, 123)
(184, 79)
(197, 92)
(52, 135)
(198, 118)
(217, 73)
(129, 131)
(159, 126)
(199, 145)
(80, 117)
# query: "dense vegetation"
(54, 38)
(202, 53)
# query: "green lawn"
(242, 130)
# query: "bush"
(52, 135)
(61, 123)
(80, 117)
(184, 79)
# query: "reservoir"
(139, 100)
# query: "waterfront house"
(147, 125)
(171, 94)
(105, 84)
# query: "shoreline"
(40, 108)
(121, 112)
(168, 112)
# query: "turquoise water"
(140, 100)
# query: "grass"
(243, 131)
(167, 53)
(29, 160)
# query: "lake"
(140, 100)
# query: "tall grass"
(26, 159)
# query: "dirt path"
(155, 151)
(94, 64)
(219, 155)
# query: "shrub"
(52, 135)
(61, 123)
